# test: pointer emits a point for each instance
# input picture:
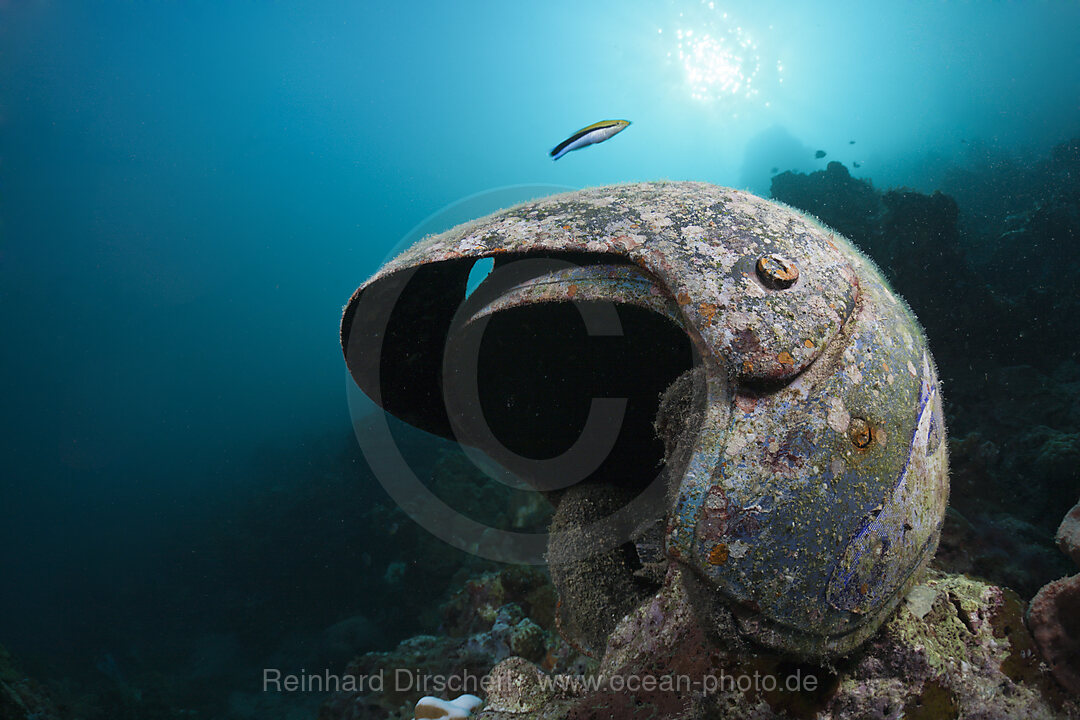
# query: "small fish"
(850, 142)
(855, 164)
(597, 132)
(775, 170)
(819, 154)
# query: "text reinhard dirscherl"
(403, 680)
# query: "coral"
(1028, 252)
(395, 695)
(492, 617)
(8, 671)
(459, 708)
(511, 634)
(996, 191)
(519, 686)
(594, 591)
(528, 640)
(919, 247)
(474, 607)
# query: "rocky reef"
(851, 206)
(492, 617)
(956, 648)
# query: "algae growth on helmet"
(713, 389)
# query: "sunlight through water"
(719, 58)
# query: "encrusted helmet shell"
(815, 487)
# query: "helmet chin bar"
(693, 375)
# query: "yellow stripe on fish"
(589, 135)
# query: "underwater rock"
(968, 655)
(1054, 619)
(957, 648)
(1068, 535)
(1054, 614)
(419, 657)
(475, 605)
(840, 201)
(919, 247)
(592, 595)
(993, 186)
(1050, 231)
(916, 240)
(816, 431)
(520, 687)
(973, 460)
(1030, 400)
(490, 618)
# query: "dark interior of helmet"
(540, 371)
(537, 369)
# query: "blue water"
(189, 192)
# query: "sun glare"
(719, 59)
